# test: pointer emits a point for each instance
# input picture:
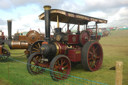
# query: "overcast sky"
(24, 13)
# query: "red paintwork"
(84, 37)
(44, 65)
(62, 48)
(73, 39)
(98, 37)
(0, 49)
(90, 31)
(2, 36)
(74, 55)
(44, 42)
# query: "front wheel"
(5, 54)
(33, 64)
(92, 56)
(60, 67)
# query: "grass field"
(115, 48)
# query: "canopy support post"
(57, 21)
(86, 25)
(96, 30)
(78, 29)
(68, 31)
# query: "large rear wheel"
(92, 56)
(60, 67)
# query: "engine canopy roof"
(71, 18)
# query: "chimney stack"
(9, 29)
(47, 23)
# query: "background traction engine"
(4, 53)
(20, 42)
(57, 53)
(26, 42)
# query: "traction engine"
(20, 42)
(4, 53)
(59, 52)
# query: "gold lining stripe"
(77, 52)
(57, 48)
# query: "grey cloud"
(109, 7)
(119, 23)
(105, 4)
(6, 4)
(2, 22)
(123, 14)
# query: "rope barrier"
(46, 69)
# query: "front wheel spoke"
(65, 66)
(55, 69)
(35, 49)
(37, 69)
(90, 62)
(39, 44)
(34, 60)
(32, 67)
(36, 46)
(58, 62)
(37, 57)
(62, 62)
(64, 70)
(56, 66)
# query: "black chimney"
(47, 23)
(9, 29)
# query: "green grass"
(115, 48)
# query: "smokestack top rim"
(47, 7)
(9, 20)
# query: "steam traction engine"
(59, 52)
(4, 53)
(28, 41)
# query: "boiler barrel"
(18, 45)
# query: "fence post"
(8, 71)
(119, 70)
